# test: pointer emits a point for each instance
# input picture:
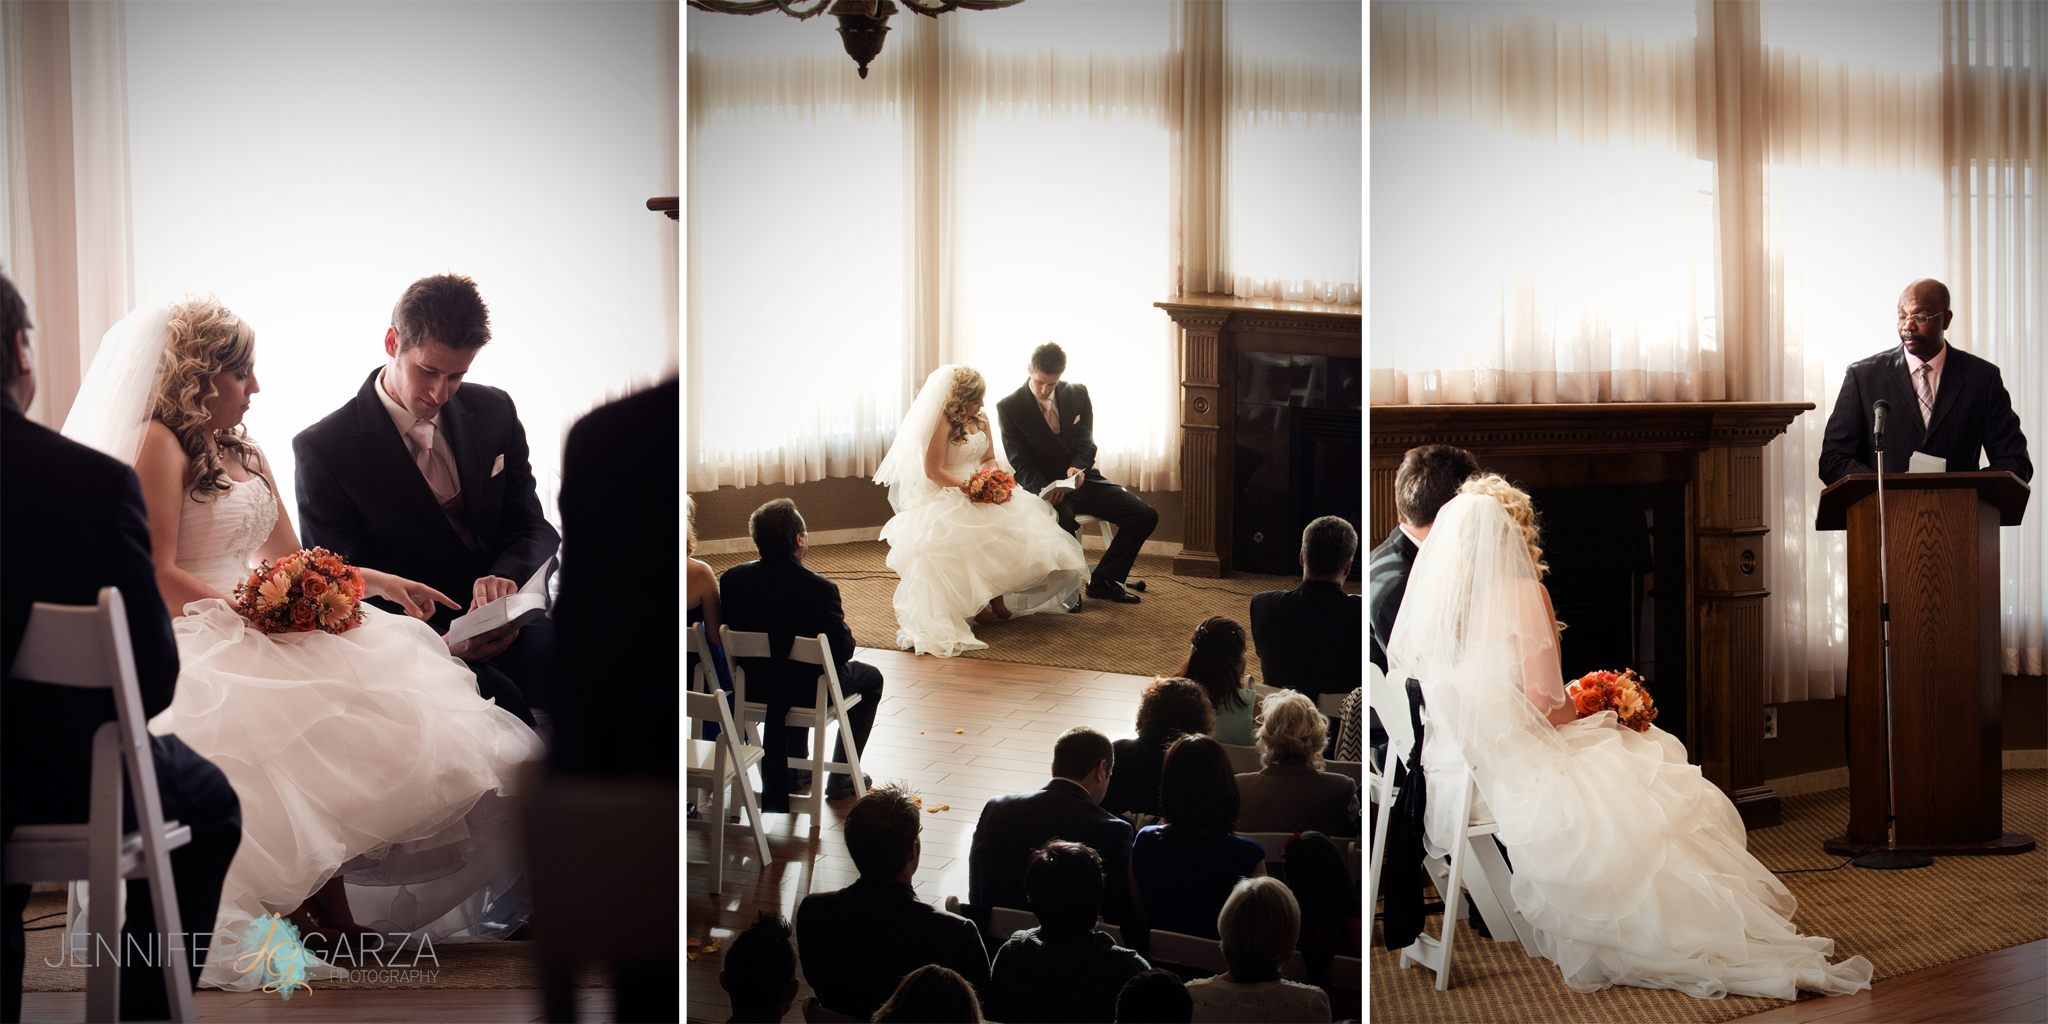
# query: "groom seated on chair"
(776, 595)
(76, 523)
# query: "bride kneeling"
(365, 754)
(957, 558)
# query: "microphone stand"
(1891, 858)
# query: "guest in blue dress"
(1183, 871)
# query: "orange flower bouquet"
(990, 487)
(1620, 692)
(313, 589)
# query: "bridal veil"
(115, 399)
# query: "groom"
(1049, 433)
(425, 477)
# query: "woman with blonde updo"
(962, 562)
(365, 755)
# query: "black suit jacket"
(859, 942)
(1386, 577)
(1037, 455)
(1971, 411)
(1012, 826)
(781, 598)
(1308, 638)
(615, 703)
(74, 522)
(362, 496)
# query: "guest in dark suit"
(75, 522)
(1429, 476)
(776, 595)
(1308, 637)
(1049, 433)
(858, 943)
(616, 702)
(1168, 710)
(1944, 402)
(1011, 827)
(1062, 970)
(425, 476)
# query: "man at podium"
(1945, 403)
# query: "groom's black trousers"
(1134, 519)
(195, 793)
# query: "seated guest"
(1322, 888)
(1012, 827)
(859, 942)
(1182, 871)
(931, 995)
(700, 604)
(776, 595)
(1308, 637)
(1168, 710)
(1216, 659)
(1062, 970)
(1293, 793)
(1154, 997)
(760, 971)
(76, 522)
(1258, 925)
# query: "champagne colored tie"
(1052, 417)
(436, 472)
(1926, 393)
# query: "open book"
(1065, 483)
(506, 613)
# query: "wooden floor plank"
(2006, 985)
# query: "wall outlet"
(1770, 723)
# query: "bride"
(1632, 867)
(957, 559)
(364, 756)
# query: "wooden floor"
(957, 731)
(331, 1006)
(2009, 987)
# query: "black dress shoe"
(841, 786)
(1137, 585)
(799, 780)
(1112, 592)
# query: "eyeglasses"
(1919, 319)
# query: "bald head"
(1923, 317)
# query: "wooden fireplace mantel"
(1716, 450)
(1214, 329)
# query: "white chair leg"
(103, 939)
(1381, 822)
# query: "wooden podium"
(1942, 546)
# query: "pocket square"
(1077, 418)
(498, 466)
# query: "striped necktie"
(1925, 385)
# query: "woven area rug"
(1148, 638)
(470, 965)
(1903, 921)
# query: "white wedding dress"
(953, 555)
(1633, 867)
(367, 753)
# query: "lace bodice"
(964, 457)
(216, 538)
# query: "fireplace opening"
(1299, 456)
(1611, 551)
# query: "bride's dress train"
(367, 753)
(953, 555)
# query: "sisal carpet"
(1903, 921)
(1144, 639)
(470, 965)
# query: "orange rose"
(303, 614)
(313, 585)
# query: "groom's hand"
(490, 588)
(484, 648)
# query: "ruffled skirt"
(952, 556)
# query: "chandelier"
(862, 23)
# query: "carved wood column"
(1730, 562)
(1204, 426)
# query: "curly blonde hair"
(206, 339)
(1292, 729)
(968, 386)
(1516, 501)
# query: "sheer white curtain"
(1995, 136)
(1853, 213)
(1294, 149)
(1547, 233)
(1000, 179)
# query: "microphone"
(1877, 415)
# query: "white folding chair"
(1083, 521)
(716, 767)
(1243, 760)
(1355, 770)
(88, 648)
(1332, 704)
(1186, 950)
(830, 705)
(704, 676)
(1004, 922)
(1488, 886)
